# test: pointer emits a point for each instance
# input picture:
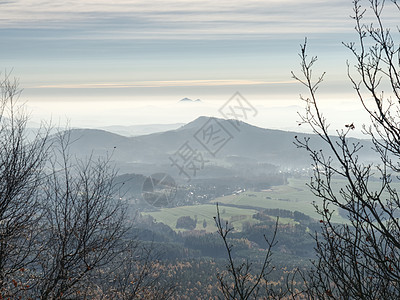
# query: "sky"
(125, 62)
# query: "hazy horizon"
(277, 115)
(97, 63)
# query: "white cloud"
(164, 83)
(172, 19)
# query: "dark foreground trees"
(22, 162)
(63, 229)
(359, 259)
(83, 225)
(59, 219)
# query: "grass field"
(293, 196)
(169, 216)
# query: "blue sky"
(125, 53)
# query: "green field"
(293, 196)
(206, 212)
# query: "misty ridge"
(250, 145)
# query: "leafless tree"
(361, 258)
(22, 161)
(239, 281)
(83, 224)
(63, 231)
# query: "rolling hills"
(243, 144)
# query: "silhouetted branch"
(240, 282)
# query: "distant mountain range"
(232, 139)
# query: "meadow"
(240, 207)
